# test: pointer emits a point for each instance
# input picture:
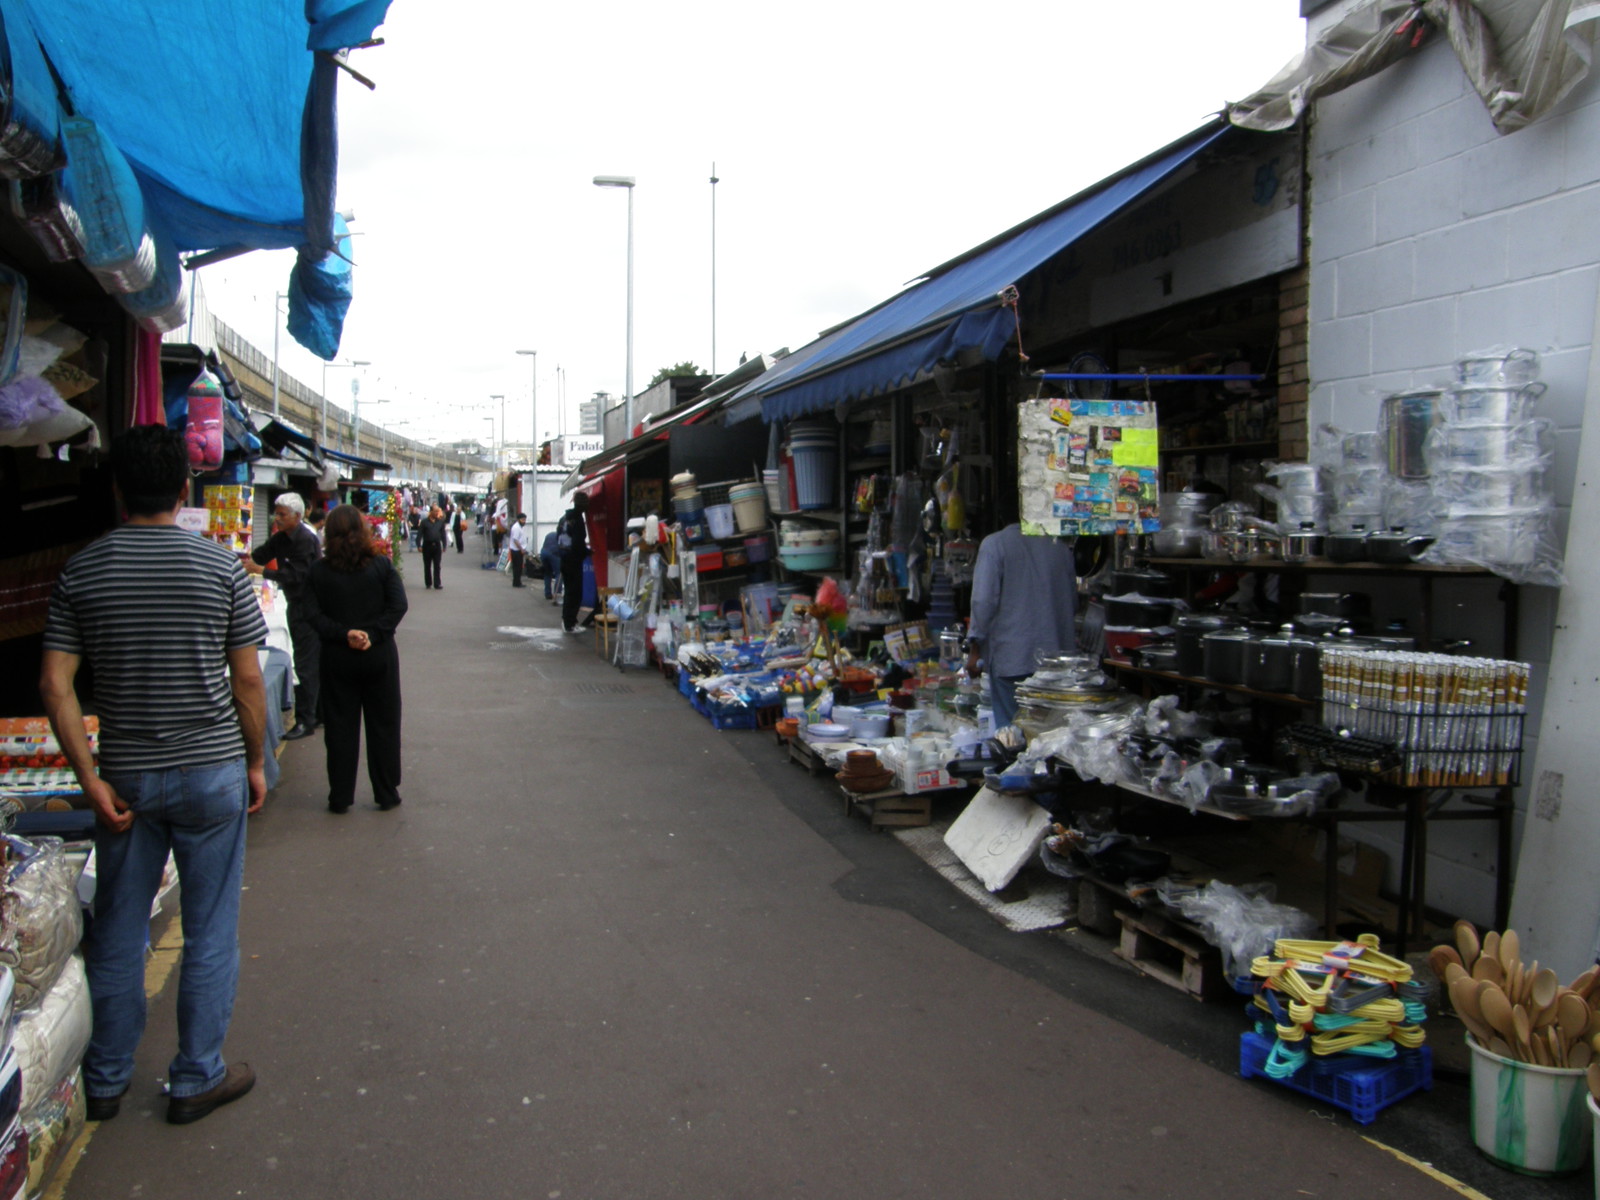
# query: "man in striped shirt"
(170, 625)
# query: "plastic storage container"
(749, 506)
(1530, 1118)
(815, 451)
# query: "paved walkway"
(604, 952)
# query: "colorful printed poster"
(1088, 466)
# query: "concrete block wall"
(1431, 236)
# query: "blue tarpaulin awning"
(959, 306)
(226, 113)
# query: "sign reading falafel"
(1088, 466)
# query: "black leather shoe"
(300, 730)
(388, 807)
(103, 1108)
(181, 1110)
(339, 808)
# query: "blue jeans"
(1003, 698)
(199, 814)
(552, 574)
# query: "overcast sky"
(857, 143)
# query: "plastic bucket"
(758, 548)
(1594, 1116)
(719, 517)
(749, 507)
(813, 474)
(770, 482)
(1529, 1118)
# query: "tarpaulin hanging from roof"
(1522, 56)
(959, 306)
(225, 111)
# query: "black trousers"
(432, 556)
(495, 535)
(362, 685)
(307, 668)
(516, 568)
(458, 541)
(571, 589)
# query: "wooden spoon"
(1454, 971)
(1542, 993)
(1467, 943)
(1579, 1055)
(1488, 968)
(1510, 949)
(1557, 1047)
(1441, 957)
(1594, 1080)
(1496, 1009)
(1513, 982)
(1464, 997)
(1572, 1016)
(1491, 945)
(1522, 1033)
(1582, 982)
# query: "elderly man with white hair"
(293, 548)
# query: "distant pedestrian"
(414, 523)
(434, 536)
(293, 548)
(1024, 596)
(315, 518)
(458, 527)
(550, 561)
(357, 602)
(517, 537)
(572, 543)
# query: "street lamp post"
(355, 362)
(625, 181)
(533, 466)
(355, 417)
(276, 324)
(500, 447)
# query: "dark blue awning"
(958, 306)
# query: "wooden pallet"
(1157, 947)
(889, 808)
(801, 753)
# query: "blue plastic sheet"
(226, 112)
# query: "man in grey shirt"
(1024, 596)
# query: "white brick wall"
(1430, 236)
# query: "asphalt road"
(603, 952)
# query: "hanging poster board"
(1088, 466)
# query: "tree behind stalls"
(683, 368)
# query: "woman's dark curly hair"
(347, 543)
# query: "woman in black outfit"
(433, 536)
(356, 601)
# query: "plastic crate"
(1362, 1086)
(685, 685)
(734, 718)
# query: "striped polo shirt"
(154, 609)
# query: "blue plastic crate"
(685, 686)
(1362, 1086)
(734, 718)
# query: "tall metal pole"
(714, 268)
(627, 411)
(276, 296)
(533, 466)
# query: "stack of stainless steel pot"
(1185, 518)
(1490, 459)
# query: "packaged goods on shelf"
(43, 921)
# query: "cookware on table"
(1191, 630)
(1269, 663)
(1336, 604)
(1137, 611)
(1224, 653)
(1303, 544)
(1406, 419)
(1396, 546)
(1346, 547)
(1154, 584)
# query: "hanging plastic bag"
(203, 430)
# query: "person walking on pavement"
(1024, 597)
(433, 536)
(458, 526)
(170, 627)
(357, 600)
(517, 539)
(572, 542)
(295, 548)
(550, 561)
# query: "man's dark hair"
(522, 516)
(317, 516)
(581, 501)
(150, 464)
